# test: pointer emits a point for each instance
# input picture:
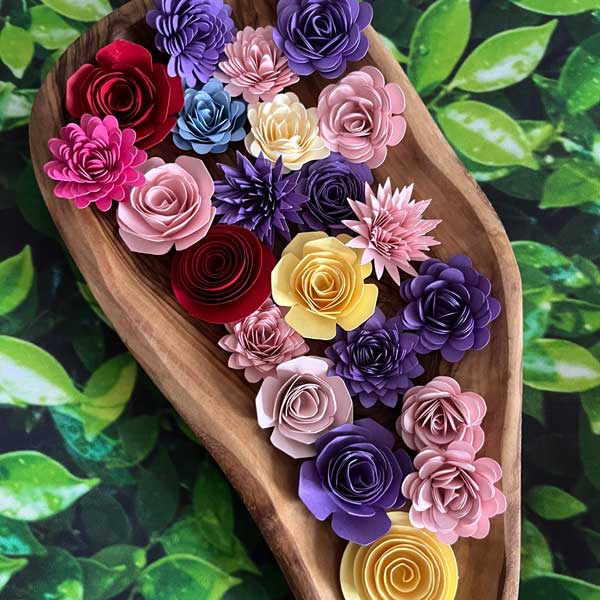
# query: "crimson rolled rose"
(126, 83)
(225, 277)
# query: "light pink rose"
(173, 207)
(452, 493)
(302, 403)
(361, 116)
(262, 341)
(439, 413)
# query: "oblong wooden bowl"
(181, 356)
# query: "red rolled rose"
(225, 277)
(126, 83)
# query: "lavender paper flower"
(322, 35)
(450, 307)
(356, 477)
(194, 33)
(328, 184)
(377, 361)
(259, 197)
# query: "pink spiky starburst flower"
(391, 229)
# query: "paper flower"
(452, 493)
(126, 84)
(259, 197)
(377, 361)
(285, 128)
(323, 282)
(261, 341)
(210, 120)
(439, 413)
(322, 35)
(391, 230)
(405, 564)
(450, 307)
(356, 477)
(94, 162)
(302, 403)
(224, 277)
(328, 184)
(193, 33)
(360, 116)
(255, 67)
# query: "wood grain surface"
(181, 356)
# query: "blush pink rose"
(361, 116)
(439, 413)
(173, 207)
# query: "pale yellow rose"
(285, 128)
(322, 280)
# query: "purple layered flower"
(194, 34)
(356, 477)
(449, 307)
(328, 184)
(322, 35)
(377, 361)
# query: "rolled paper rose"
(126, 84)
(302, 403)
(405, 564)
(452, 493)
(323, 282)
(439, 413)
(360, 116)
(449, 306)
(323, 35)
(285, 129)
(377, 361)
(95, 162)
(210, 120)
(356, 477)
(391, 230)
(261, 341)
(255, 67)
(224, 277)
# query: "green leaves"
(16, 280)
(558, 7)
(536, 557)
(574, 183)
(8, 567)
(554, 504)
(16, 48)
(16, 539)
(559, 587)
(50, 30)
(80, 10)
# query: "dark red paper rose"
(225, 277)
(128, 85)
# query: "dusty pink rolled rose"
(452, 493)
(302, 403)
(173, 207)
(361, 116)
(255, 67)
(439, 413)
(262, 341)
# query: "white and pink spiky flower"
(391, 229)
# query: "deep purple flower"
(377, 361)
(329, 183)
(322, 35)
(356, 477)
(194, 34)
(258, 197)
(450, 307)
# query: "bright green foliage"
(80, 10)
(16, 280)
(16, 48)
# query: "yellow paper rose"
(322, 280)
(405, 564)
(286, 128)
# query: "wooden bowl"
(181, 355)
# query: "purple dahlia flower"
(355, 477)
(449, 307)
(322, 35)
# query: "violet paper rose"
(356, 477)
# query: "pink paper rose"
(361, 116)
(453, 494)
(301, 402)
(173, 207)
(439, 413)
